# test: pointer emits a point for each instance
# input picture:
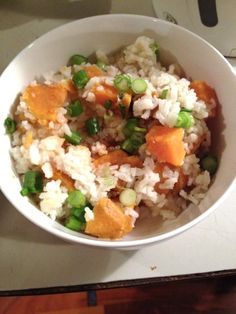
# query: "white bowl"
(109, 32)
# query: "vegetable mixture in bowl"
(107, 140)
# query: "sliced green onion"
(102, 65)
(74, 224)
(209, 163)
(185, 120)
(122, 82)
(128, 146)
(78, 213)
(75, 138)
(164, 94)
(108, 104)
(128, 197)
(75, 108)
(132, 144)
(155, 48)
(76, 199)
(32, 183)
(10, 125)
(185, 109)
(78, 59)
(139, 86)
(92, 126)
(122, 110)
(132, 126)
(140, 130)
(80, 79)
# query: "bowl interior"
(199, 61)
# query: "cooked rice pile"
(162, 178)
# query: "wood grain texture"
(212, 295)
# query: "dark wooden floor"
(212, 295)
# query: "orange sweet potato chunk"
(205, 93)
(166, 144)
(65, 179)
(179, 185)
(93, 70)
(105, 92)
(118, 157)
(44, 100)
(109, 221)
(71, 89)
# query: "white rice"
(47, 150)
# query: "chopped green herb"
(78, 213)
(74, 224)
(122, 82)
(102, 65)
(78, 59)
(132, 126)
(122, 110)
(76, 199)
(209, 163)
(132, 144)
(128, 197)
(139, 86)
(155, 48)
(80, 79)
(92, 126)
(164, 94)
(32, 183)
(75, 108)
(10, 125)
(108, 104)
(75, 138)
(185, 120)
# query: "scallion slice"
(80, 79)
(92, 126)
(209, 163)
(108, 104)
(75, 108)
(75, 138)
(76, 199)
(10, 125)
(122, 110)
(74, 224)
(78, 59)
(32, 183)
(164, 93)
(139, 86)
(78, 213)
(132, 126)
(132, 144)
(102, 65)
(122, 82)
(155, 48)
(185, 120)
(128, 197)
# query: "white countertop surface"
(32, 258)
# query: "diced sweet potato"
(104, 92)
(93, 70)
(179, 185)
(207, 94)
(133, 161)
(65, 179)
(44, 100)
(71, 89)
(166, 144)
(119, 157)
(27, 139)
(109, 221)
